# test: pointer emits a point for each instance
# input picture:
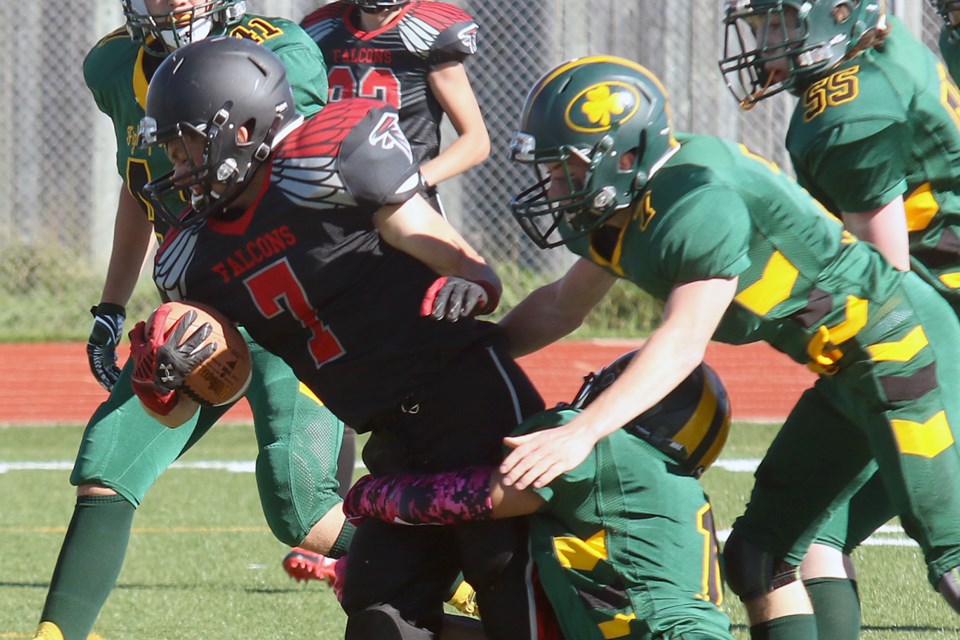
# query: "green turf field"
(202, 564)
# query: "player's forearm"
(467, 151)
(534, 323)
(132, 234)
(664, 360)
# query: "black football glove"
(451, 298)
(176, 359)
(162, 362)
(102, 344)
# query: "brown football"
(223, 377)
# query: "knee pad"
(949, 588)
(752, 572)
(382, 622)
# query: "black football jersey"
(391, 64)
(307, 274)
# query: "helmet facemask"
(222, 173)
(588, 201)
(802, 40)
(174, 30)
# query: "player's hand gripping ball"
(223, 373)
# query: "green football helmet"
(177, 29)
(595, 109)
(945, 8)
(690, 424)
(807, 38)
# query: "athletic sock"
(798, 627)
(89, 563)
(836, 604)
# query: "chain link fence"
(58, 183)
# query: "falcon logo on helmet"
(468, 36)
(690, 424)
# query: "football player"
(739, 253)
(312, 235)
(123, 450)
(409, 54)
(624, 543)
(875, 137)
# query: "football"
(223, 377)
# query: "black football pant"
(457, 421)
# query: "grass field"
(202, 564)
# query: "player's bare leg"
(831, 582)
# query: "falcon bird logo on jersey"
(602, 105)
(387, 135)
(468, 37)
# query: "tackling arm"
(132, 233)
(691, 315)
(451, 497)
(555, 310)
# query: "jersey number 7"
(278, 282)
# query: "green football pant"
(893, 401)
(298, 440)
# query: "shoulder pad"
(322, 135)
(446, 31)
(112, 51)
(376, 162)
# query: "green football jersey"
(883, 124)
(716, 210)
(625, 546)
(117, 72)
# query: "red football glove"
(451, 298)
(163, 360)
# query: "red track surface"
(50, 383)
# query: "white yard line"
(885, 536)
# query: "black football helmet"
(596, 108)
(811, 36)
(690, 424)
(178, 29)
(377, 5)
(211, 88)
